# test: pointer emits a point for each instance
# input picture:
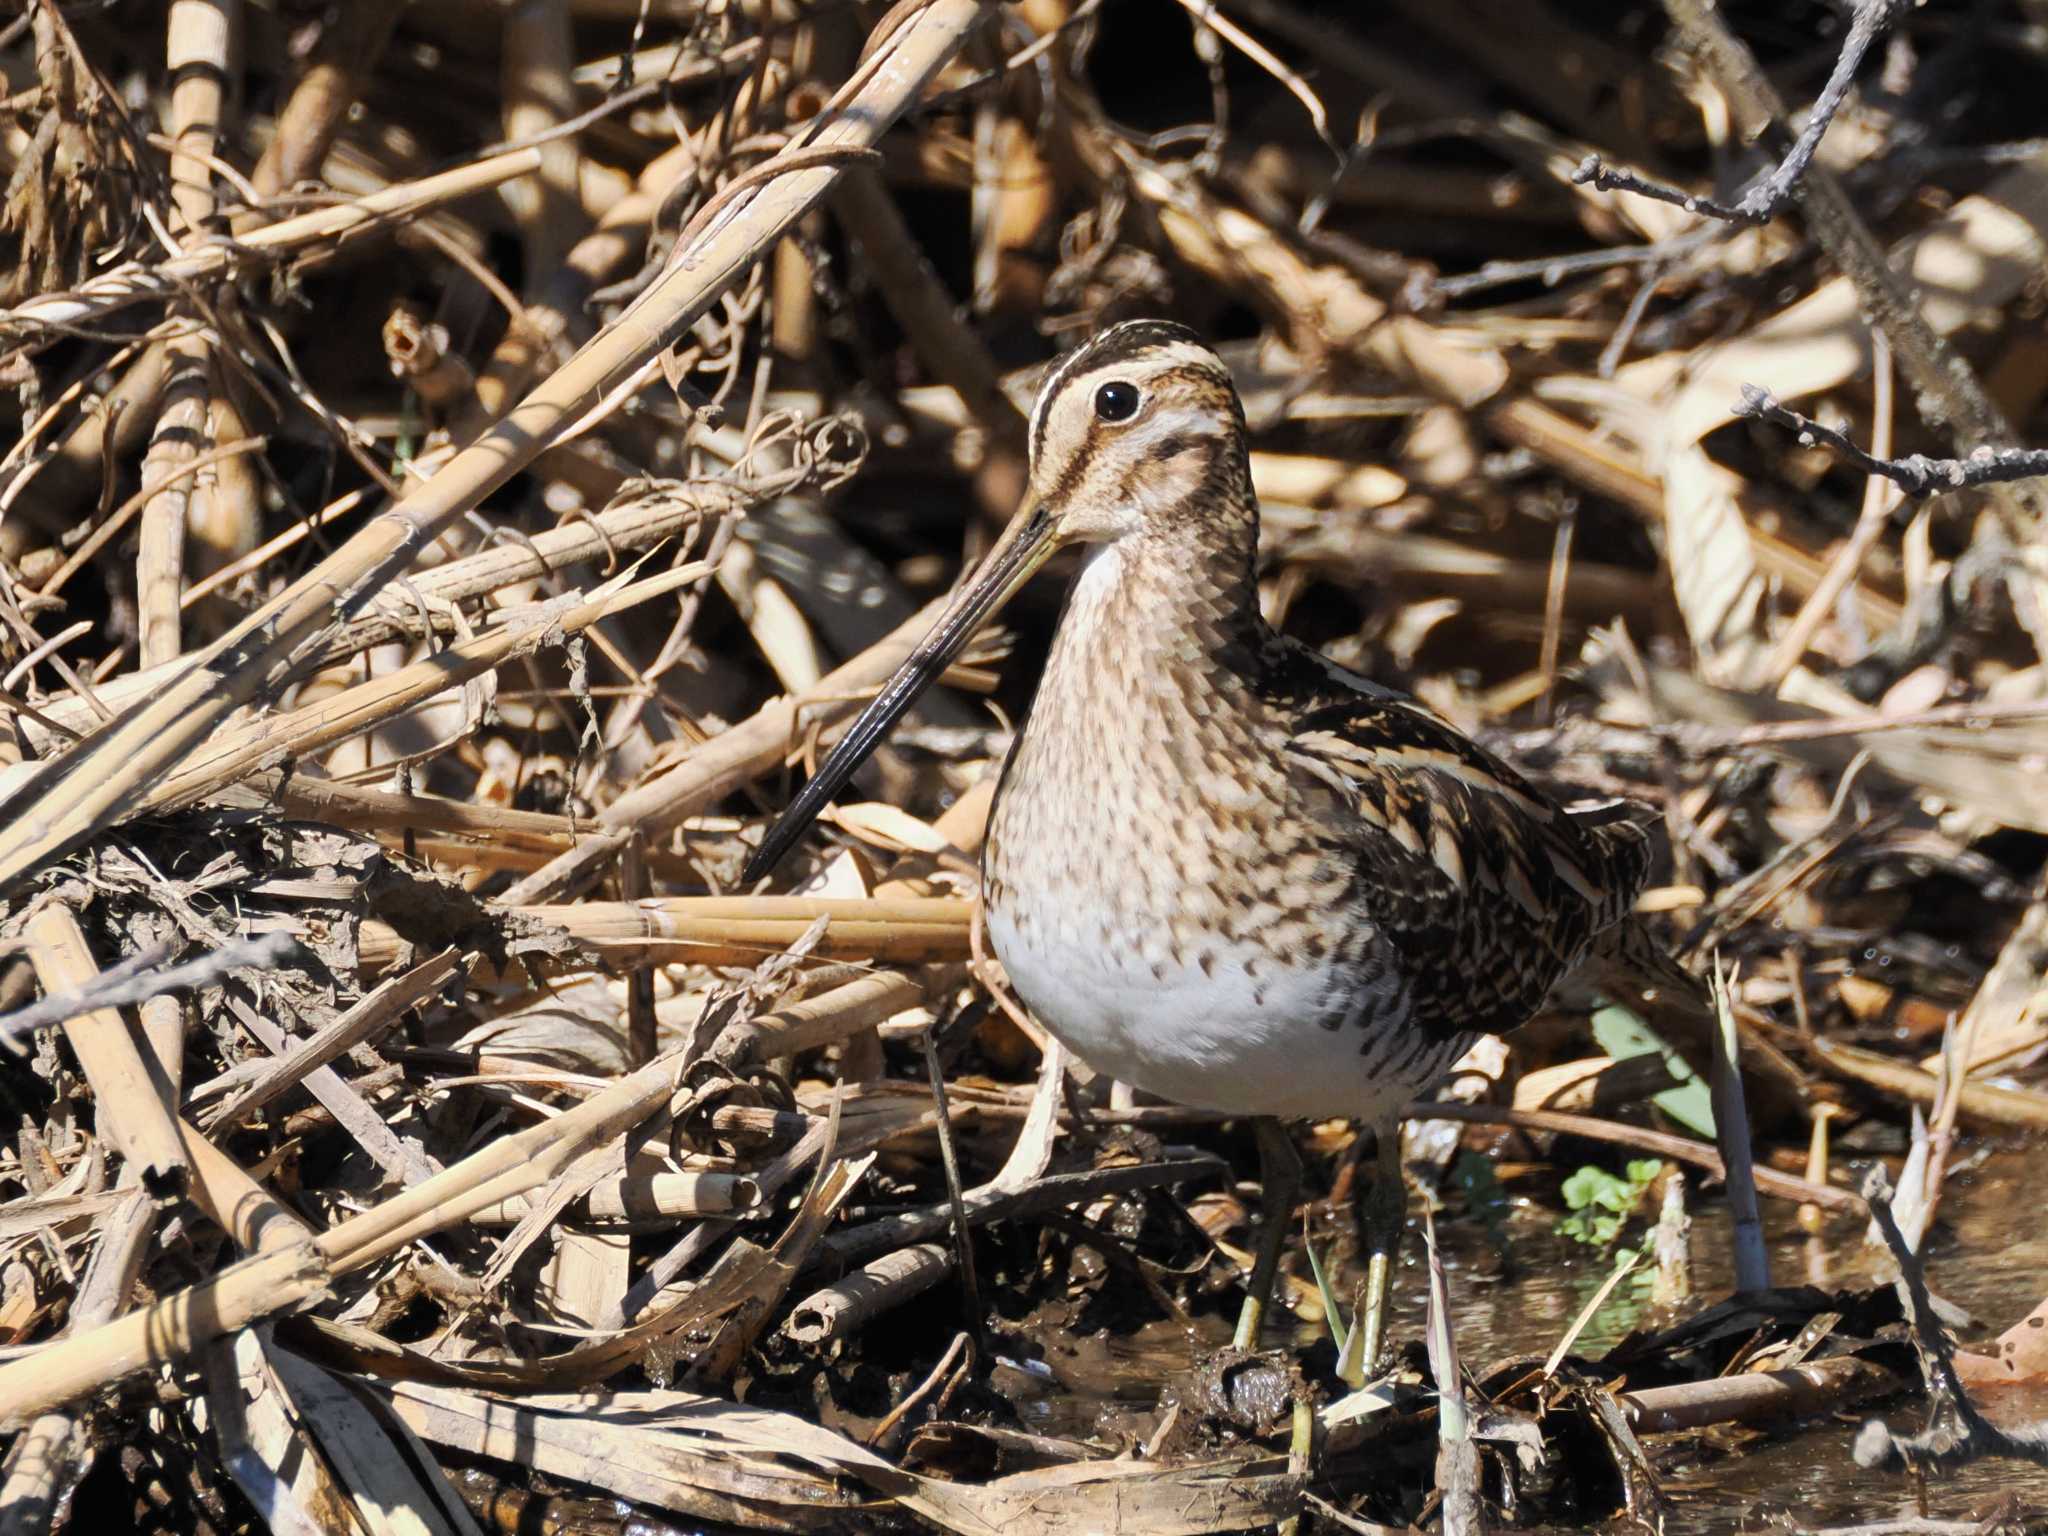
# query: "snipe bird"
(1219, 866)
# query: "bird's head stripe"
(1118, 344)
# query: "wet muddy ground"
(1988, 1255)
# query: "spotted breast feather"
(1483, 887)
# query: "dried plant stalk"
(736, 930)
(114, 290)
(299, 1275)
(654, 1199)
(104, 777)
(134, 1109)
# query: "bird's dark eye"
(1116, 402)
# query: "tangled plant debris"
(463, 463)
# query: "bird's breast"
(1235, 1029)
(1196, 976)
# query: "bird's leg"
(1279, 1183)
(1386, 1213)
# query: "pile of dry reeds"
(462, 461)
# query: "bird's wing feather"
(1485, 885)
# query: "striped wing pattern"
(1484, 889)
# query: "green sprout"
(1601, 1202)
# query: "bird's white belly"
(1216, 1039)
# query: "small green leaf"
(1332, 1318)
(1623, 1034)
(1601, 1203)
(1589, 1187)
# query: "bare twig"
(1947, 388)
(143, 976)
(1869, 20)
(1914, 473)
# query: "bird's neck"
(1155, 619)
(1150, 695)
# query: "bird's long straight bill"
(1023, 548)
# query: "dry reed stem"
(858, 1005)
(736, 756)
(94, 300)
(733, 930)
(172, 475)
(47, 496)
(634, 523)
(1820, 1386)
(711, 1459)
(103, 778)
(181, 438)
(450, 832)
(319, 104)
(1986, 1104)
(849, 1304)
(537, 96)
(40, 1464)
(379, 1008)
(173, 1329)
(250, 1214)
(644, 1199)
(199, 52)
(299, 1275)
(353, 711)
(826, 1019)
(133, 1087)
(134, 1115)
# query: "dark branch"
(1961, 1433)
(1770, 192)
(1915, 473)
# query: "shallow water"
(1989, 1256)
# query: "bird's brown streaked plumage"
(1218, 865)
